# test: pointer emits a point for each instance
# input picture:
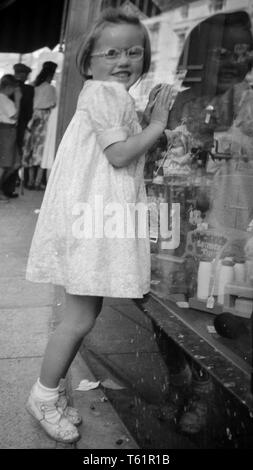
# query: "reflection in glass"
(204, 161)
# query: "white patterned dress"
(83, 239)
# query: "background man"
(21, 73)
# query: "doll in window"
(178, 156)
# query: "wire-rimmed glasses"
(134, 53)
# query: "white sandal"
(72, 414)
(52, 420)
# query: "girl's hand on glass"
(162, 105)
(151, 102)
(153, 94)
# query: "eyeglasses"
(113, 54)
(239, 54)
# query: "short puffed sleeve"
(108, 113)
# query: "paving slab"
(21, 293)
(18, 429)
(12, 265)
(24, 331)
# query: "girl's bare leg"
(79, 318)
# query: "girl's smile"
(122, 69)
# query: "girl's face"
(123, 69)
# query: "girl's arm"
(123, 153)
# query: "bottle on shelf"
(226, 276)
(204, 278)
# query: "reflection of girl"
(215, 67)
(44, 101)
(232, 193)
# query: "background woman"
(44, 102)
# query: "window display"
(204, 163)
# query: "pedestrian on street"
(50, 143)
(8, 119)
(100, 158)
(21, 73)
(44, 102)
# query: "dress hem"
(73, 291)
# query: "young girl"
(97, 174)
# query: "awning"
(28, 25)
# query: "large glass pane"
(201, 170)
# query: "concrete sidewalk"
(28, 313)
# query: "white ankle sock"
(44, 393)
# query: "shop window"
(204, 164)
